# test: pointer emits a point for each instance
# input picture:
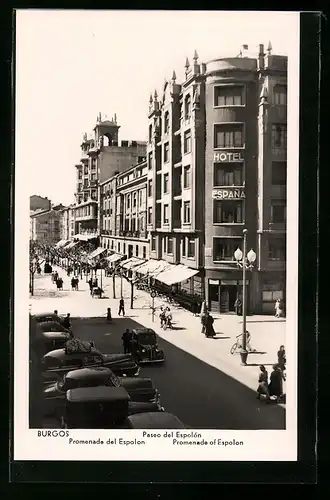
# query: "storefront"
(272, 287)
(222, 290)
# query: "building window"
(183, 247)
(165, 183)
(144, 252)
(112, 244)
(170, 245)
(149, 215)
(124, 249)
(280, 95)
(224, 248)
(128, 201)
(134, 199)
(80, 174)
(93, 163)
(228, 96)
(187, 142)
(228, 174)
(153, 243)
(119, 246)
(228, 135)
(278, 212)
(150, 133)
(166, 152)
(186, 176)
(279, 136)
(150, 188)
(86, 170)
(166, 123)
(227, 212)
(187, 107)
(186, 212)
(276, 248)
(166, 214)
(136, 250)
(140, 197)
(150, 161)
(191, 249)
(279, 173)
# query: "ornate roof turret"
(269, 48)
(155, 95)
(195, 57)
(187, 65)
(150, 99)
(173, 77)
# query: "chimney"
(261, 57)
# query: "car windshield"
(147, 338)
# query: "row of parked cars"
(84, 388)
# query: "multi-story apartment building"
(45, 226)
(123, 212)
(217, 165)
(176, 174)
(101, 157)
(39, 203)
(67, 223)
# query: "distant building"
(101, 157)
(123, 212)
(67, 221)
(38, 202)
(45, 226)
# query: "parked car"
(48, 341)
(51, 326)
(46, 316)
(139, 389)
(145, 347)
(152, 420)
(99, 408)
(59, 362)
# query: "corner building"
(245, 179)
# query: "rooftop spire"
(155, 95)
(195, 56)
(187, 63)
(173, 76)
(150, 99)
(115, 118)
(269, 48)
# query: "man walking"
(127, 340)
(121, 307)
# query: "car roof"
(144, 330)
(56, 353)
(155, 420)
(88, 373)
(97, 394)
(55, 335)
(46, 314)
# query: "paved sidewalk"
(267, 333)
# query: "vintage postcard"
(156, 246)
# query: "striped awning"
(114, 257)
(85, 237)
(71, 245)
(62, 243)
(132, 262)
(154, 267)
(176, 274)
(97, 252)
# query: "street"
(201, 395)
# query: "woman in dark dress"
(263, 383)
(209, 326)
(276, 382)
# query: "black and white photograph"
(156, 235)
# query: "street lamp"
(245, 261)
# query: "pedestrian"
(121, 307)
(127, 340)
(73, 283)
(162, 316)
(67, 322)
(204, 321)
(281, 358)
(59, 283)
(109, 317)
(276, 382)
(238, 306)
(263, 383)
(56, 316)
(194, 308)
(209, 329)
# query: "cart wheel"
(233, 348)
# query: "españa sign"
(227, 157)
(228, 194)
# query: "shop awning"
(114, 257)
(85, 237)
(132, 262)
(61, 243)
(176, 274)
(71, 245)
(97, 252)
(153, 267)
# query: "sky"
(71, 65)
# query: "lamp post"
(245, 261)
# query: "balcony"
(86, 217)
(93, 183)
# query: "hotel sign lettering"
(228, 194)
(227, 157)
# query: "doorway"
(228, 296)
(214, 297)
(130, 251)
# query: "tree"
(134, 280)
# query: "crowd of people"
(271, 388)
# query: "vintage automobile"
(58, 362)
(145, 347)
(139, 389)
(46, 316)
(153, 420)
(49, 341)
(99, 408)
(51, 326)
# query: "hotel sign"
(227, 157)
(228, 194)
